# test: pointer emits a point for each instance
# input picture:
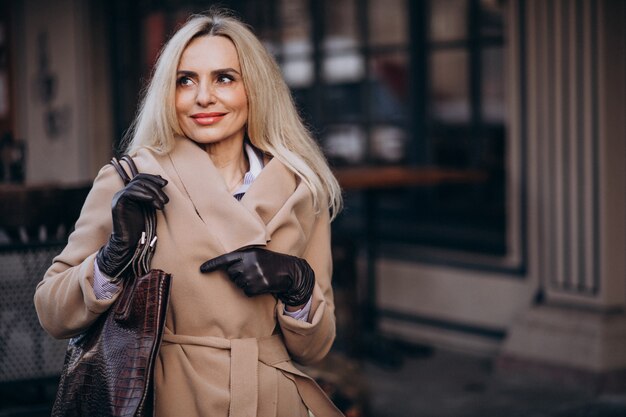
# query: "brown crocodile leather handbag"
(109, 368)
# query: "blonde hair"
(273, 126)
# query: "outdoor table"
(370, 181)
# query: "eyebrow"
(214, 72)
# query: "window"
(465, 125)
(407, 83)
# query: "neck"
(230, 160)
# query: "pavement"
(424, 383)
(450, 384)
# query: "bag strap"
(131, 164)
(120, 169)
(142, 257)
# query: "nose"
(205, 95)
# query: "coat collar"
(234, 223)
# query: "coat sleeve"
(64, 299)
(309, 341)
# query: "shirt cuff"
(102, 287)
(302, 314)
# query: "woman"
(244, 201)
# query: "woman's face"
(211, 101)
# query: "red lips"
(207, 119)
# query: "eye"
(184, 81)
(225, 78)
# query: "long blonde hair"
(274, 125)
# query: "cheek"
(182, 109)
(244, 110)
(182, 100)
(178, 105)
(240, 100)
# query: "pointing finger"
(221, 262)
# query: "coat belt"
(245, 355)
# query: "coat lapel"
(270, 190)
(233, 223)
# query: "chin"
(213, 139)
(204, 140)
(203, 137)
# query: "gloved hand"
(143, 192)
(259, 271)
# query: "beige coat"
(218, 355)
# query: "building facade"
(527, 265)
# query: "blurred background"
(480, 262)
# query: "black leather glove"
(143, 192)
(259, 271)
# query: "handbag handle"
(140, 262)
(131, 164)
(121, 171)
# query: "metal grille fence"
(26, 350)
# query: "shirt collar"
(256, 165)
(256, 162)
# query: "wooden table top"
(359, 178)
(36, 204)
